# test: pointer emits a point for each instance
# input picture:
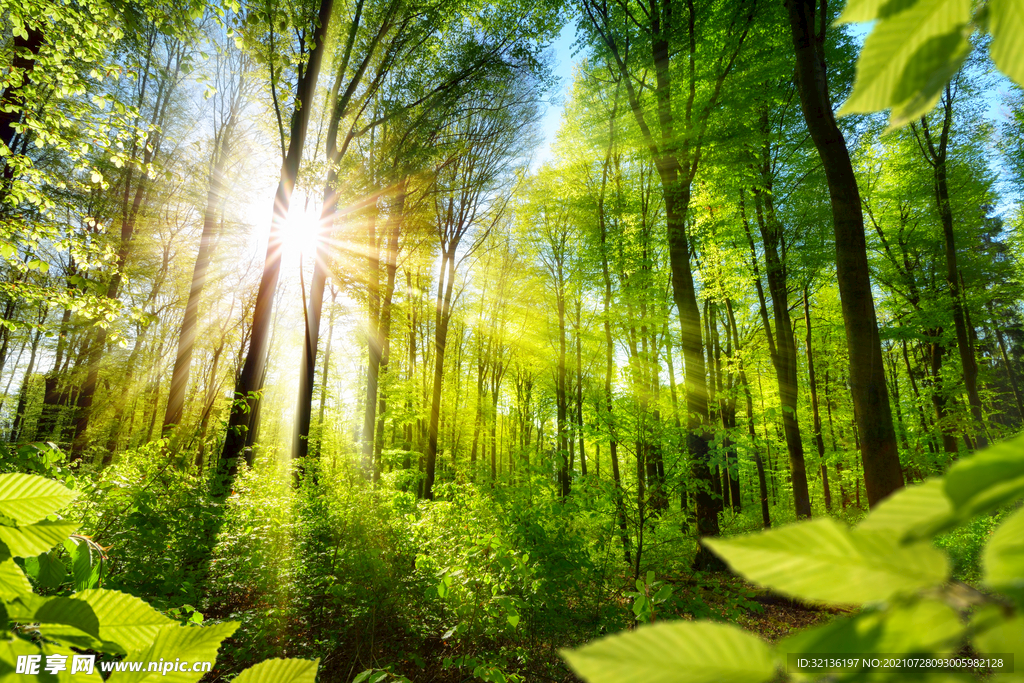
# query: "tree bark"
(812, 386)
(189, 323)
(250, 381)
(445, 282)
(867, 374)
(936, 157)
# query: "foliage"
(156, 518)
(100, 620)
(915, 47)
(885, 565)
(44, 459)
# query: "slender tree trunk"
(939, 399)
(602, 219)
(785, 357)
(561, 396)
(250, 381)
(445, 282)
(384, 333)
(936, 156)
(867, 373)
(328, 212)
(19, 411)
(579, 388)
(374, 344)
(324, 374)
(189, 324)
(819, 441)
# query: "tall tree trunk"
(579, 388)
(867, 374)
(189, 323)
(785, 357)
(324, 374)
(602, 219)
(391, 268)
(19, 411)
(250, 381)
(374, 343)
(936, 156)
(561, 396)
(445, 282)
(812, 386)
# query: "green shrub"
(38, 629)
(887, 565)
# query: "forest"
(346, 340)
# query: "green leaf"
(987, 480)
(67, 612)
(28, 541)
(869, 10)
(923, 627)
(1003, 557)
(1006, 24)
(124, 619)
(12, 581)
(638, 606)
(27, 498)
(822, 560)
(908, 58)
(663, 594)
(46, 570)
(188, 643)
(85, 570)
(281, 671)
(910, 511)
(65, 620)
(674, 652)
(1003, 636)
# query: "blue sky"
(563, 67)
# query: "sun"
(302, 229)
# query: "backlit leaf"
(908, 58)
(281, 671)
(124, 619)
(910, 511)
(822, 560)
(676, 652)
(1006, 23)
(27, 541)
(28, 498)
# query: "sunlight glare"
(303, 227)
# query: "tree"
(228, 104)
(470, 200)
(311, 25)
(882, 474)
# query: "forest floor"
(727, 597)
